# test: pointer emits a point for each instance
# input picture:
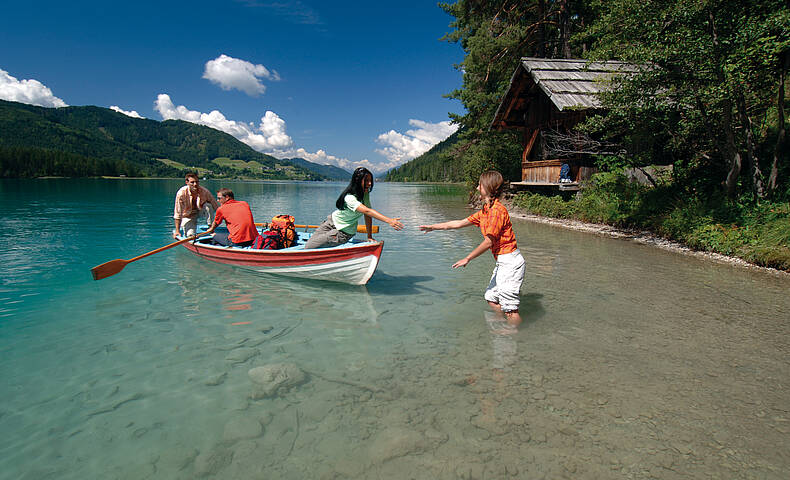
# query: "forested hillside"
(88, 141)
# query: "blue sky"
(348, 83)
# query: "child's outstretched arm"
(451, 225)
(392, 222)
(484, 245)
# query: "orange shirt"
(238, 216)
(494, 221)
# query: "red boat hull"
(350, 263)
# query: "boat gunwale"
(285, 251)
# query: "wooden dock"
(539, 185)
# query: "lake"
(632, 362)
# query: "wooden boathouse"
(546, 99)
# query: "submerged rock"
(217, 379)
(242, 428)
(241, 355)
(211, 462)
(271, 380)
(176, 458)
(394, 443)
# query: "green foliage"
(547, 206)
(252, 165)
(611, 199)
(102, 135)
(756, 232)
(25, 162)
(707, 92)
(494, 152)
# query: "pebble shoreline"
(639, 236)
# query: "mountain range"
(91, 141)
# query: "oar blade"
(108, 269)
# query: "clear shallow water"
(632, 362)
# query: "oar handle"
(188, 239)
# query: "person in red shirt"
(503, 290)
(238, 217)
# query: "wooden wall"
(548, 171)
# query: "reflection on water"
(630, 363)
(503, 341)
(270, 295)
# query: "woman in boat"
(341, 225)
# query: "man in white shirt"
(192, 200)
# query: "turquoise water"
(632, 362)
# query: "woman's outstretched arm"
(451, 225)
(392, 222)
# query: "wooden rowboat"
(353, 262)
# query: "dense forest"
(711, 98)
(57, 140)
(26, 162)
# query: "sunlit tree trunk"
(751, 157)
(780, 139)
(729, 148)
(731, 154)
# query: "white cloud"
(132, 113)
(320, 157)
(27, 91)
(230, 73)
(268, 136)
(323, 158)
(402, 147)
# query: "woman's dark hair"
(355, 187)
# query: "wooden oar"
(360, 228)
(114, 266)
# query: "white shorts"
(189, 225)
(505, 285)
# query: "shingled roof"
(570, 84)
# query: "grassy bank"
(756, 232)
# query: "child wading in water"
(494, 222)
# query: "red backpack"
(268, 240)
